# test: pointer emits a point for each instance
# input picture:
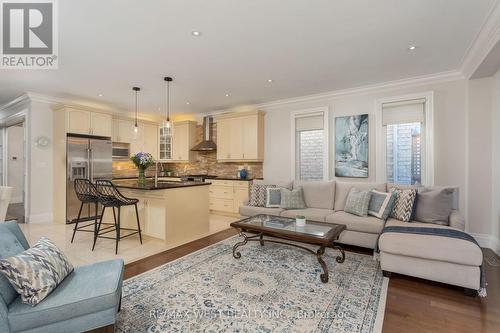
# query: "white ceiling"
(305, 46)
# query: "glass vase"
(142, 176)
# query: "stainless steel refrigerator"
(90, 158)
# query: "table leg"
(237, 254)
(340, 259)
(319, 254)
(261, 240)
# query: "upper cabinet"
(146, 138)
(87, 122)
(178, 147)
(123, 130)
(240, 137)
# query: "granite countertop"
(149, 185)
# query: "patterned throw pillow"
(381, 204)
(36, 272)
(292, 199)
(273, 199)
(357, 202)
(403, 204)
(258, 195)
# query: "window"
(404, 126)
(310, 146)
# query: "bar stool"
(109, 196)
(87, 194)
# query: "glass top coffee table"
(315, 233)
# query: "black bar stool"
(87, 194)
(109, 196)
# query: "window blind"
(411, 111)
(309, 122)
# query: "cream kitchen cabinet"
(123, 130)
(240, 137)
(226, 196)
(150, 139)
(183, 139)
(87, 122)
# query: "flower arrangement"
(142, 161)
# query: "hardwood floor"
(413, 305)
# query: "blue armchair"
(87, 299)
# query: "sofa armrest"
(456, 220)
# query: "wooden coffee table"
(315, 233)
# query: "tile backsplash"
(205, 163)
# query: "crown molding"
(488, 36)
(369, 89)
(16, 102)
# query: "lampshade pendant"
(136, 127)
(166, 123)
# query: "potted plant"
(142, 161)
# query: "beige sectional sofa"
(447, 260)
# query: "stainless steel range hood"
(207, 144)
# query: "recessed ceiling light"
(412, 48)
(270, 80)
(196, 33)
(100, 95)
(187, 103)
(227, 95)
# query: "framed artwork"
(351, 146)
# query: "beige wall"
(480, 142)
(496, 161)
(449, 122)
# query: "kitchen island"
(176, 212)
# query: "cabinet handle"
(243, 155)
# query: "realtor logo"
(29, 34)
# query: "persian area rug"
(271, 288)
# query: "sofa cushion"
(357, 202)
(273, 197)
(79, 294)
(381, 204)
(35, 272)
(312, 214)
(368, 224)
(317, 194)
(452, 250)
(278, 183)
(9, 246)
(292, 199)
(434, 205)
(342, 190)
(252, 211)
(258, 195)
(403, 204)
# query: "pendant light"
(166, 123)
(136, 127)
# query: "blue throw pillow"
(273, 197)
(381, 204)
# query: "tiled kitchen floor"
(80, 252)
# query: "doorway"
(14, 170)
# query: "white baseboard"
(41, 218)
(15, 200)
(495, 245)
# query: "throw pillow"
(36, 272)
(357, 202)
(434, 205)
(273, 199)
(292, 199)
(403, 204)
(381, 204)
(258, 194)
